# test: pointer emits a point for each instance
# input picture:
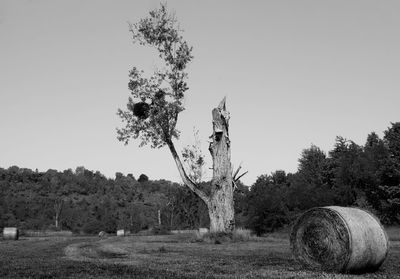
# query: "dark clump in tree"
(141, 110)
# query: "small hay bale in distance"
(339, 239)
(203, 231)
(10, 233)
(120, 232)
(102, 234)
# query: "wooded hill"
(86, 201)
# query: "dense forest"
(366, 176)
(81, 200)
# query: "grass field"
(172, 256)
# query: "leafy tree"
(267, 210)
(347, 170)
(119, 175)
(279, 177)
(390, 203)
(155, 103)
(143, 178)
(392, 141)
(313, 166)
(386, 198)
(376, 155)
(241, 206)
(378, 171)
(302, 195)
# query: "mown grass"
(45, 258)
(172, 256)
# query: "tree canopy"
(156, 101)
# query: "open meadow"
(167, 256)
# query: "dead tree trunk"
(220, 201)
(220, 207)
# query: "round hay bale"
(120, 232)
(141, 110)
(340, 239)
(11, 233)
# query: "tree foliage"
(143, 178)
(152, 110)
(194, 159)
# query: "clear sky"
(295, 73)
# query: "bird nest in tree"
(141, 110)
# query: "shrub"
(241, 234)
(160, 230)
(93, 227)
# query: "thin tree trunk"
(58, 205)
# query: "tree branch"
(236, 172)
(186, 180)
(240, 176)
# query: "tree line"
(84, 201)
(366, 176)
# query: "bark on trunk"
(220, 202)
(220, 207)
